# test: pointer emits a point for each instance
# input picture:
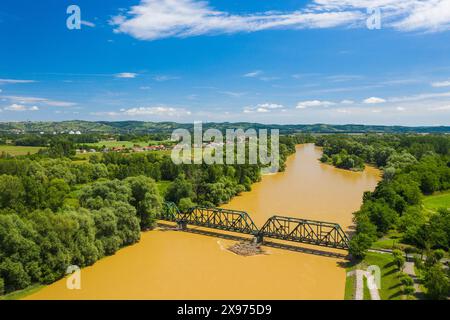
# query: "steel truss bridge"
(277, 227)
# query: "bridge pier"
(258, 239)
(182, 225)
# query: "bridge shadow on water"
(296, 248)
(204, 232)
(266, 243)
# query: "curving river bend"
(179, 265)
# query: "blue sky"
(309, 61)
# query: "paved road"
(409, 270)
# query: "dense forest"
(57, 210)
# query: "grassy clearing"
(112, 144)
(391, 287)
(392, 240)
(366, 291)
(162, 187)
(19, 150)
(436, 201)
(20, 294)
(350, 288)
(126, 144)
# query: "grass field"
(112, 144)
(126, 144)
(18, 150)
(350, 288)
(436, 201)
(391, 287)
(392, 240)
(17, 295)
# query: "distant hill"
(151, 127)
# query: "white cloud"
(53, 103)
(19, 107)
(263, 108)
(106, 113)
(156, 19)
(88, 23)
(253, 74)
(163, 78)
(344, 77)
(270, 106)
(347, 102)
(440, 108)
(233, 93)
(15, 81)
(400, 108)
(126, 75)
(37, 100)
(441, 84)
(374, 100)
(155, 111)
(340, 110)
(313, 103)
(430, 15)
(418, 97)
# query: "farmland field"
(18, 150)
(112, 144)
(126, 144)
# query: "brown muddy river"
(180, 265)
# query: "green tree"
(2, 286)
(185, 204)
(12, 192)
(437, 283)
(57, 191)
(61, 147)
(399, 259)
(14, 274)
(359, 245)
(406, 280)
(107, 234)
(178, 189)
(409, 290)
(145, 198)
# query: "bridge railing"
(305, 231)
(222, 219)
(277, 227)
(169, 212)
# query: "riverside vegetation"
(413, 167)
(57, 210)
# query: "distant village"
(135, 148)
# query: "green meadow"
(18, 150)
(436, 201)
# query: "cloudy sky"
(290, 61)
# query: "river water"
(168, 264)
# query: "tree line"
(412, 166)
